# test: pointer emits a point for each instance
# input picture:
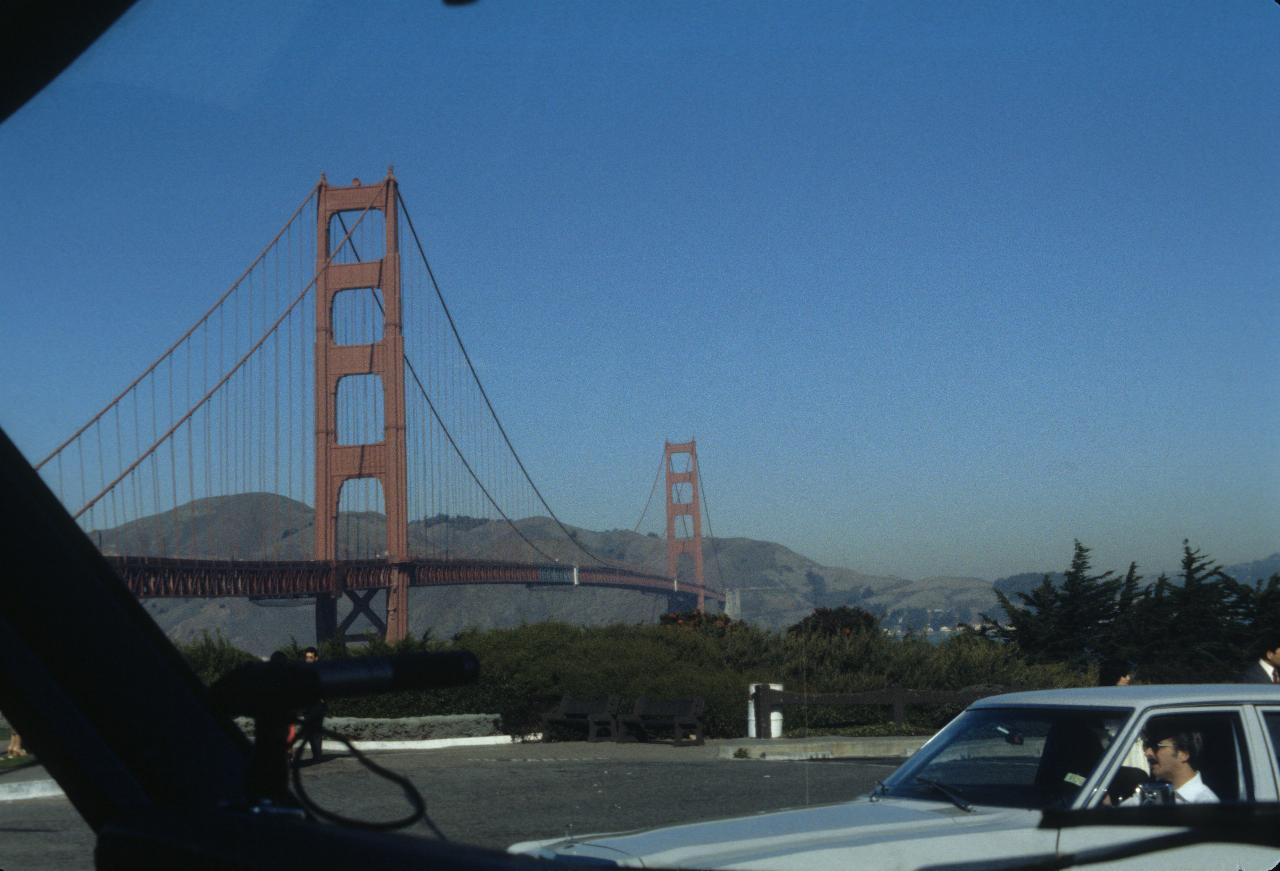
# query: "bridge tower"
(384, 460)
(677, 506)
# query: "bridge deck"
(158, 577)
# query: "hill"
(774, 586)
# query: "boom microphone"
(259, 686)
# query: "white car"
(975, 791)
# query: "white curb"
(48, 787)
(23, 789)
(332, 746)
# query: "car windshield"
(345, 330)
(1010, 757)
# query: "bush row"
(525, 670)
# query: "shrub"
(525, 670)
(212, 656)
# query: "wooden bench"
(592, 715)
(676, 719)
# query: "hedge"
(525, 671)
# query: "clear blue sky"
(937, 287)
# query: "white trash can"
(775, 718)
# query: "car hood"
(883, 834)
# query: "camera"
(1154, 793)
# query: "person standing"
(1119, 673)
(1115, 673)
(1267, 667)
(313, 715)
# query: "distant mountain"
(775, 586)
(1258, 570)
(249, 526)
(1024, 583)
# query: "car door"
(1235, 764)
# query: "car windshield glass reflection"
(1010, 758)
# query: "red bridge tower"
(384, 460)
(678, 506)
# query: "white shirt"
(1269, 669)
(1194, 791)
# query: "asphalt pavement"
(496, 795)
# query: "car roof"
(1139, 696)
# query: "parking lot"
(493, 796)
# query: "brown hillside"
(776, 586)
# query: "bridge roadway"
(496, 795)
(151, 577)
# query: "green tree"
(1123, 641)
(1031, 626)
(845, 620)
(1258, 611)
(1210, 639)
(1190, 631)
(1067, 623)
(1086, 612)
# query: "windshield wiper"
(948, 791)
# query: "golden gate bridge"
(329, 392)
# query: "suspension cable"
(652, 490)
(457, 449)
(484, 394)
(225, 378)
(706, 509)
(234, 286)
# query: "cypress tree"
(1087, 610)
(1067, 624)
(1122, 641)
(1028, 626)
(1202, 626)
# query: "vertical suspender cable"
(706, 509)
(493, 413)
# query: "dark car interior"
(175, 784)
(1072, 750)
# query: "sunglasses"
(1156, 745)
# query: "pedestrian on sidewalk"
(313, 715)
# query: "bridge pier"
(398, 606)
(326, 617)
(329, 628)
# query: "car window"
(1272, 719)
(1220, 755)
(1012, 758)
